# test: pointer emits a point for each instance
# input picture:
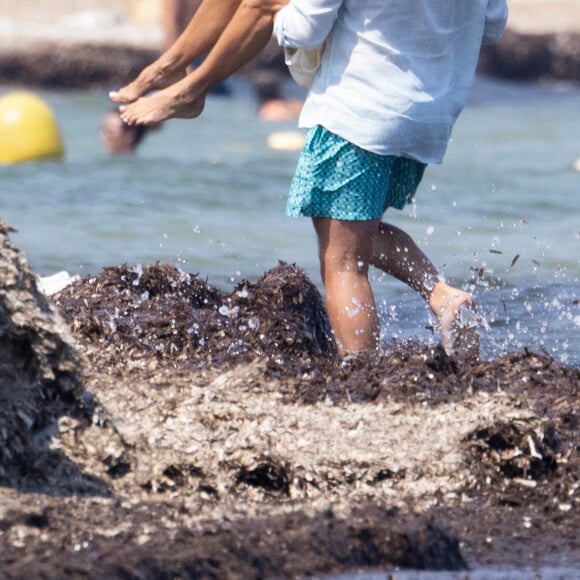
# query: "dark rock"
(82, 66)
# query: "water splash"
(538, 318)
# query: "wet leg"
(397, 254)
(345, 249)
(200, 35)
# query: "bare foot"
(457, 320)
(159, 107)
(151, 78)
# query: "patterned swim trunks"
(335, 178)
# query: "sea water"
(499, 217)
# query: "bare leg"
(244, 37)
(446, 302)
(202, 32)
(345, 249)
(176, 101)
(153, 77)
(397, 254)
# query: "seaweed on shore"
(218, 435)
(160, 312)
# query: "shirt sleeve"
(495, 21)
(305, 23)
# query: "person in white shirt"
(394, 76)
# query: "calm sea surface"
(500, 216)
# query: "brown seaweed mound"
(227, 440)
(161, 312)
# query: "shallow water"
(500, 216)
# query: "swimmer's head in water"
(118, 137)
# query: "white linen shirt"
(395, 74)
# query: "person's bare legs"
(153, 77)
(202, 32)
(179, 100)
(397, 254)
(345, 248)
(244, 37)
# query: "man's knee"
(344, 262)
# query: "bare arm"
(202, 32)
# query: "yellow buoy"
(28, 129)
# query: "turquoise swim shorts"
(337, 179)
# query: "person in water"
(119, 137)
(272, 104)
(394, 76)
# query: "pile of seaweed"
(159, 316)
(163, 313)
(170, 428)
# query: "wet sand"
(162, 428)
